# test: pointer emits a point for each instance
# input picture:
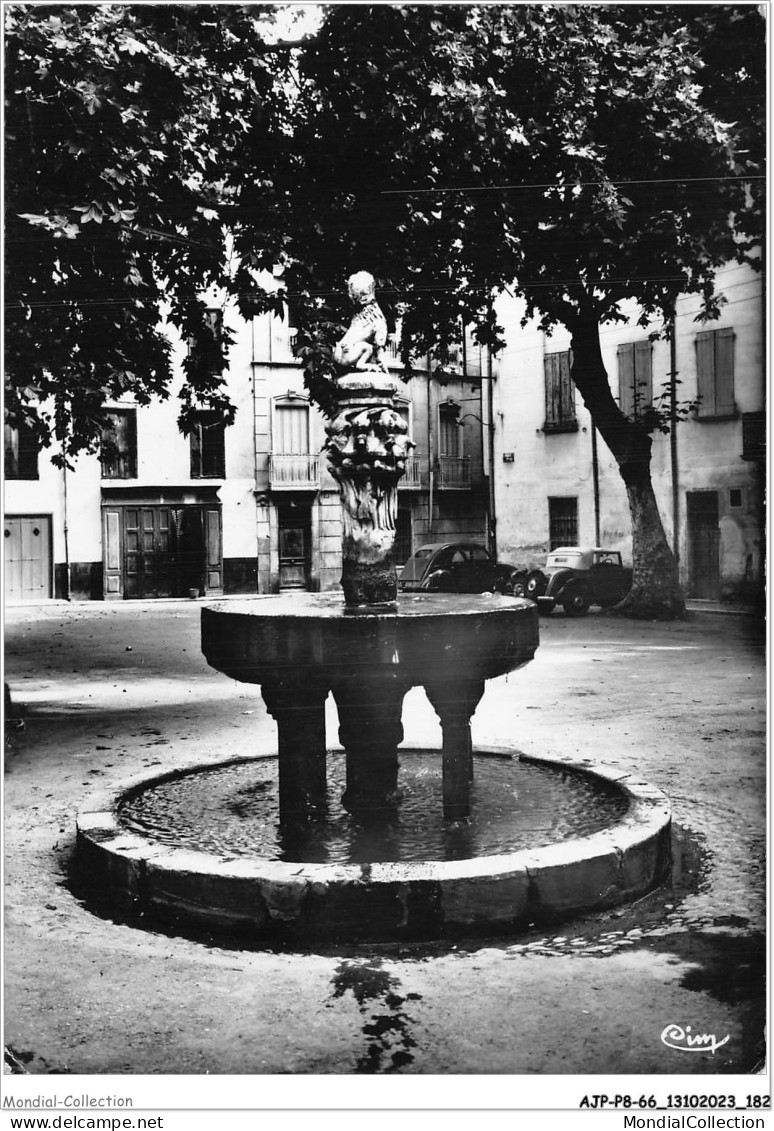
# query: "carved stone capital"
(367, 445)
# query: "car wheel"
(536, 585)
(519, 589)
(577, 605)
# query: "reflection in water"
(233, 810)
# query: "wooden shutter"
(626, 378)
(292, 426)
(705, 372)
(553, 405)
(196, 451)
(724, 372)
(643, 375)
(566, 390)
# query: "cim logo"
(683, 1040)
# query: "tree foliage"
(586, 155)
(578, 153)
(568, 148)
(125, 129)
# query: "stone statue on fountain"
(367, 444)
(362, 347)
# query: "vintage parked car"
(577, 579)
(458, 567)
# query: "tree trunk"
(656, 592)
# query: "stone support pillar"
(370, 730)
(299, 709)
(454, 701)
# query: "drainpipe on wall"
(595, 477)
(491, 430)
(431, 473)
(66, 530)
(673, 438)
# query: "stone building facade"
(557, 482)
(250, 508)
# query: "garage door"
(27, 558)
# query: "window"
(754, 436)
(213, 320)
(291, 429)
(715, 374)
(560, 394)
(449, 431)
(21, 453)
(635, 378)
(119, 445)
(291, 462)
(562, 522)
(478, 554)
(283, 335)
(208, 447)
(735, 497)
(402, 550)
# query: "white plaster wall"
(163, 452)
(46, 494)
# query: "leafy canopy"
(583, 154)
(125, 129)
(575, 152)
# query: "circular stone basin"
(233, 810)
(332, 894)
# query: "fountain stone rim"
(495, 892)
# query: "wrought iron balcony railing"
(453, 472)
(412, 480)
(294, 472)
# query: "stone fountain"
(367, 652)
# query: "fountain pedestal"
(367, 447)
(369, 651)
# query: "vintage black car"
(576, 579)
(458, 567)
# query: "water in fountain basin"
(233, 810)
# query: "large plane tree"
(581, 154)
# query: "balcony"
(453, 473)
(294, 473)
(412, 480)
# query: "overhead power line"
(568, 185)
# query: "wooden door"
(27, 559)
(213, 549)
(112, 555)
(148, 559)
(703, 545)
(295, 529)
